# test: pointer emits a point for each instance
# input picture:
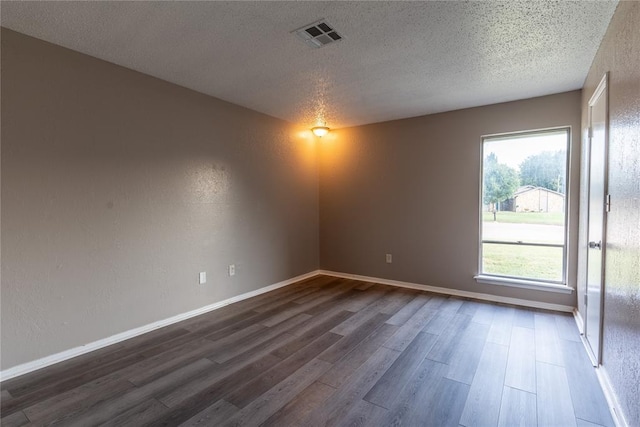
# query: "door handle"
(595, 245)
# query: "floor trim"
(603, 377)
(454, 292)
(34, 365)
(612, 398)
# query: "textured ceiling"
(397, 59)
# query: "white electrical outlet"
(232, 270)
(389, 258)
(203, 277)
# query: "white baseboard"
(612, 398)
(603, 377)
(453, 292)
(95, 345)
(34, 365)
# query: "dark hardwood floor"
(328, 351)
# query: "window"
(523, 233)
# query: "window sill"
(522, 283)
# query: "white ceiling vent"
(318, 34)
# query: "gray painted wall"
(411, 188)
(619, 54)
(118, 188)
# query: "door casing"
(596, 227)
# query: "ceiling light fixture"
(320, 131)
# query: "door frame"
(603, 86)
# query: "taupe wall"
(411, 188)
(619, 54)
(119, 188)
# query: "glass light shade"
(320, 131)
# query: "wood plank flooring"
(328, 352)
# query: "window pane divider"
(548, 245)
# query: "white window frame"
(520, 282)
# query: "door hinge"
(607, 203)
(585, 299)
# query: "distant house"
(530, 198)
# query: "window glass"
(524, 188)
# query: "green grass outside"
(537, 262)
(525, 217)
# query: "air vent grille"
(318, 34)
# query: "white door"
(598, 205)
